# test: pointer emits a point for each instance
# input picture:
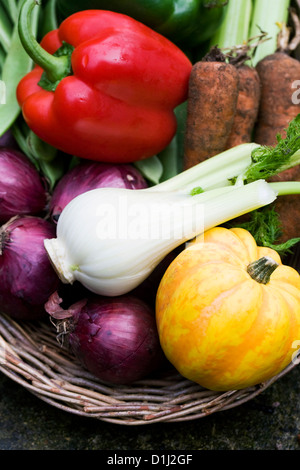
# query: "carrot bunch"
(223, 104)
(247, 97)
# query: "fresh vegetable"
(279, 73)
(265, 159)
(91, 175)
(234, 41)
(248, 102)
(27, 278)
(187, 23)
(115, 339)
(72, 99)
(22, 190)
(122, 235)
(266, 228)
(228, 311)
(212, 103)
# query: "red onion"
(89, 175)
(7, 140)
(27, 278)
(114, 338)
(22, 191)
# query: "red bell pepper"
(104, 86)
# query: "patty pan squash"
(228, 311)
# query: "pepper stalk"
(56, 66)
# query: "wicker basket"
(31, 356)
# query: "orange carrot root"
(277, 72)
(212, 101)
(247, 107)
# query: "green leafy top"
(268, 161)
(264, 225)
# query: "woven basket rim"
(31, 356)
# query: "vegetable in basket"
(27, 278)
(212, 103)
(22, 189)
(268, 99)
(115, 339)
(188, 22)
(104, 86)
(279, 74)
(111, 239)
(228, 311)
(91, 175)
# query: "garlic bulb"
(111, 239)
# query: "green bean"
(17, 63)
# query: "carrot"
(247, 106)
(211, 107)
(277, 72)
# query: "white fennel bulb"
(111, 239)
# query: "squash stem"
(261, 270)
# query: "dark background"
(271, 421)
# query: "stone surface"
(271, 421)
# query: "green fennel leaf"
(264, 225)
(269, 161)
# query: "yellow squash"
(228, 311)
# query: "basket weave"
(31, 356)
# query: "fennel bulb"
(111, 239)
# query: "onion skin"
(22, 190)
(27, 278)
(92, 175)
(114, 338)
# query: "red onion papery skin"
(22, 190)
(89, 175)
(115, 338)
(27, 278)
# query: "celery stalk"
(235, 27)
(267, 16)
